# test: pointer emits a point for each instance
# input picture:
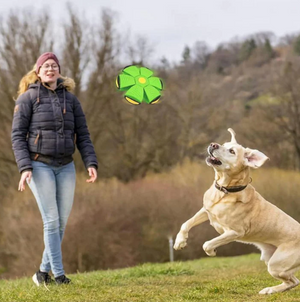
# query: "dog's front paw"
(180, 242)
(208, 250)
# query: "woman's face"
(49, 72)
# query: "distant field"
(236, 279)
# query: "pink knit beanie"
(43, 58)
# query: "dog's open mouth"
(213, 160)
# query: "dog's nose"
(214, 145)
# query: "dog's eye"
(231, 151)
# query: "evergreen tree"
(247, 49)
(268, 49)
(186, 55)
(297, 45)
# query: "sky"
(169, 26)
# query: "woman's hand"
(93, 174)
(26, 175)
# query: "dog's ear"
(254, 158)
(233, 139)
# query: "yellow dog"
(239, 213)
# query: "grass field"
(237, 279)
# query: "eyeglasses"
(47, 67)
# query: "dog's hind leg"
(182, 236)
(282, 266)
(267, 251)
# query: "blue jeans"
(53, 189)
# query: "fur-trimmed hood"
(32, 78)
(68, 83)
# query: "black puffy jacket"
(46, 124)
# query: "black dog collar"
(227, 190)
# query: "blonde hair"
(31, 77)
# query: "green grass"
(236, 279)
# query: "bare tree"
(200, 54)
(21, 42)
(288, 39)
(105, 50)
(23, 36)
(76, 45)
(285, 108)
(261, 37)
(139, 51)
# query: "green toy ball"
(139, 85)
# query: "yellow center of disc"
(142, 80)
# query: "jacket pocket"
(38, 141)
(69, 143)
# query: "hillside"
(236, 279)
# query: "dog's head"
(233, 157)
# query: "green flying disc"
(139, 85)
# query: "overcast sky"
(170, 25)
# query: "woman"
(47, 121)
